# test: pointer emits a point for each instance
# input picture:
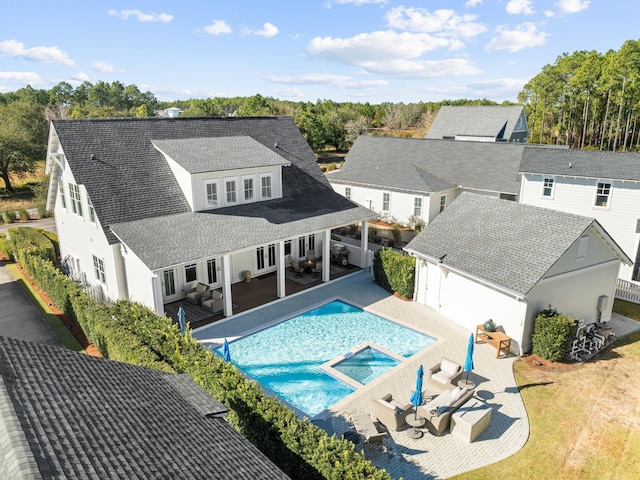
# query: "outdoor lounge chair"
(447, 372)
(367, 429)
(391, 413)
(214, 302)
(194, 295)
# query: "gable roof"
(582, 163)
(201, 155)
(428, 166)
(128, 179)
(507, 244)
(481, 121)
(68, 415)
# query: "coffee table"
(415, 421)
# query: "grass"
(56, 324)
(583, 419)
(25, 186)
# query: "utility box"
(340, 253)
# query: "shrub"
(31, 240)
(43, 212)
(9, 217)
(552, 334)
(394, 271)
(397, 235)
(23, 215)
(5, 247)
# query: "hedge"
(552, 334)
(394, 271)
(130, 332)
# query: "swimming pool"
(366, 365)
(287, 357)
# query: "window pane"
(385, 202)
(248, 189)
(212, 194)
(212, 274)
(266, 187)
(190, 273)
(287, 247)
(169, 283)
(347, 192)
(231, 191)
(443, 202)
(417, 206)
(602, 194)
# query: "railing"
(629, 291)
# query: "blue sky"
(304, 50)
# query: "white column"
(226, 286)
(326, 256)
(364, 244)
(156, 285)
(281, 269)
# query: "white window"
(582, 247)
(63, 198)
(312, 242)
(212, 273)
(417, 206)
(230, 188)
(211, 194)
(76, 204)
(92, 212)
(98, 268)
(443, 202)
(190, 273)
(302, 251)
(603, 194)
(547, 187)
(347, 192)
(266, 186)
(248, 189)
(287, 247)
(386, 198)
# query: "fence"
(628, 291)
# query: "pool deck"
(429, 457)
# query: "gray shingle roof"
(201, 155)
(128, 179)
(420, 165)
(473, 121)
(582, 163)
(175, 239)
(507, 244)
(90, 418)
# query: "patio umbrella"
(181, 320)
(226, 354)
(416, 396)
(468, 364)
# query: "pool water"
(366, 365)
(287, 357)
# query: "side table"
(415, 421)
(470, 420)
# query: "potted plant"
(247, 275)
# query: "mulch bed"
(67, 320)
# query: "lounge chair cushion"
(448, 366)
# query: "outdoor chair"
(389, 412)
(447, 372)
(214, 302)
(311, 255)
(317, 270)
(367, 429)
(297, 268)
(194, 295)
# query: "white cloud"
(519, 7)
(15, 49)
(444, 21)
(337, 81)
(290, 92)
(268, 30)
(103, 66)
(80, 77)
(523, 36)
(141, 16)
(572, 6)
(23, 78)
(472, 3)
(218, 27)
(500, 84)
(452, 67)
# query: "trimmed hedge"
(394, 271)
(5, 246)
(552, 334)
(27, 239)
(132, 333)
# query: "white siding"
(577, 195)
(140, 281)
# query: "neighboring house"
(487, 258)
(170, 112)
(68, 415)
(602, 185)
(147, 207)
(406, 179)
(481, 124)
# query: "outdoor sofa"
(438, 410)
(389, 412)
(213, 302)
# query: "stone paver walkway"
(429, 457)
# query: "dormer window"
(248, 189)
(266, 186)
(211, 193)
(230, 191)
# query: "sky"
(305, 50)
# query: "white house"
(406, 179)
(602, 185)
(146, 207)
(487, 258)
(480, 124)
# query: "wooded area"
(584, 100)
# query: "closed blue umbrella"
(181, 320)
(468, 364)
(226, 354)
(416, 396)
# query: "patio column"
(226, 286)
(156, 285)
(326, 256)
(364, 244)
(281, 269)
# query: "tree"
(23, 133)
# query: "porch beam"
(226, 286)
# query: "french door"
(265, 259)
(170, 292)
